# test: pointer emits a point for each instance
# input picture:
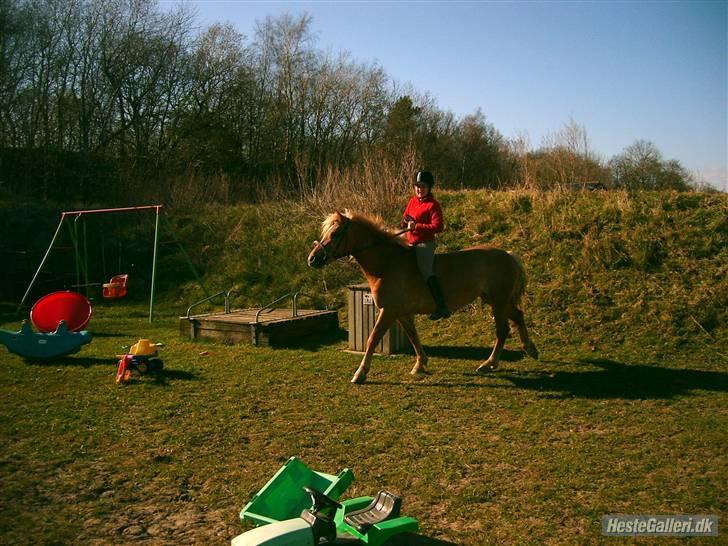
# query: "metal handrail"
(206, 300)
(227, 299)
(270, 307)
(295, 302)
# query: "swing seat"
(116, 287)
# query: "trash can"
(362, 317)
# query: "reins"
(362, 249)
(380, 242)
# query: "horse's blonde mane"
(330, 221)
(375, 224)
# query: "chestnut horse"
(492, 274)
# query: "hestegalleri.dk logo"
(663, 525)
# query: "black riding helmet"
(424, 177)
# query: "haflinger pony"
(400, 293)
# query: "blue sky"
(654, 70)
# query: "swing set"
(116, 287)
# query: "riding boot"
(442, 311)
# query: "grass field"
(535, 453)
(627, 412)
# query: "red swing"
(116, 287)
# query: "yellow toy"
(140, 358)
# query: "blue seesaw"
(59, 317)
(30, 344)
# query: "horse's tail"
(519, 285)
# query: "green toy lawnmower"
(300, 507)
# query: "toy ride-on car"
(140, 358)
(323, 519)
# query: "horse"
(399, 292)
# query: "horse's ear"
(341, 216)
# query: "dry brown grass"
(378, 186)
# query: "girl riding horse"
(423, 220)
(390, 267)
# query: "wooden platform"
(274, 327)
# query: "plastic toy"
(140, 358)
(71, 307)
(30, 344)
(116, 287)
(59, 316)
(300, 507)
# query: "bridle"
(341, 232)
(334, 239)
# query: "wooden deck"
(274, 327)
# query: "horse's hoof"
(531, 351)
(486, 368)
(359, 379)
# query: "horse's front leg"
(384, 321)
(408, 323)
(501, 331)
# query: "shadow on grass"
(405, 539)
(157, 378)
(312, 343)
(453, 384)
(83, 361)
(162, 378)
(618, 380)
(614, 380)
(461, 352)
(410, 539)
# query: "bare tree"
(566, 158)
(123, 84)
(641, 166)
(16, 57)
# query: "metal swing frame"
(76, 214)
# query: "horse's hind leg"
(516, 315)
(501, 331)
(408, 324)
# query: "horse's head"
(334, 241)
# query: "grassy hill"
(624, 413)
(601, 265)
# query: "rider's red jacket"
(427, 214)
